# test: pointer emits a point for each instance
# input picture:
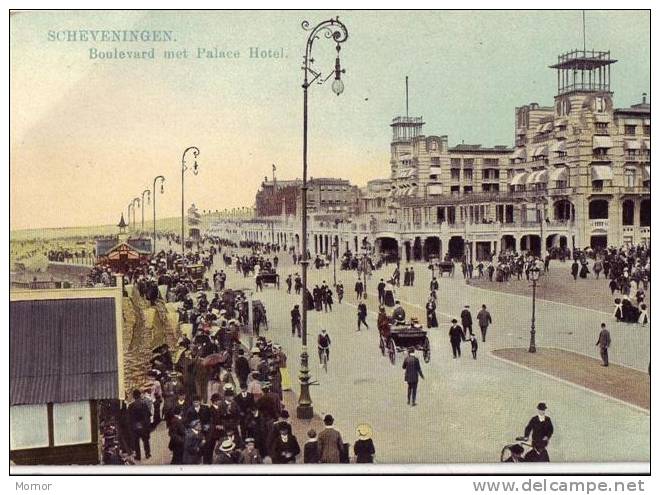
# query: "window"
(72, 423)
(629, 130)
(456, 162)
(467, 175)
(467, 189)
(455, 189)
(601, 128)
(629, 177)
(597, 185)
(435, 161)
(28, 426)
(600, 104)
(647, 130)
(455, 174)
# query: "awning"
(601, 172)
(646, 144)
(558, 146)
(541, 151)
(406, 172)
(559, 174)
(519, 154)
(519, 179)
(412, 191)
(632, 145)
(601, 117)
(539, 128)
(405, 156)
(531, 177)
(548, 126)
(540, 177)
(646, 172)
(435, 170)
(602, 142)
(561, 122)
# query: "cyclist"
(323, 343)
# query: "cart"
(446, 267)
(403, 337)
(270, 277)
(196, 275)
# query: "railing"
(603, 223)
(645, 230)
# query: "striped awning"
(435, 189)
(632, 145)
(531, 177)
(540, 177)
(601, 172)
(541, 151)
(519, 179)
(548, 126)
(602, 142)
(435, 170)
(559, 174)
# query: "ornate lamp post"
(195, 153)
(335, 30)
(162, 190)
(534, 273)
(148, 193)
(135, 200)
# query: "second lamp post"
(195, 153)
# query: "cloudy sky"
(89, 135)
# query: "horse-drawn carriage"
(269, 277)
(403, 336)
(445, 267)
(196, 275)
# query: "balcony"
(601, 223)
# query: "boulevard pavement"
(467, 409)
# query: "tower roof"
(122, 223)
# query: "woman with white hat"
(363, 448)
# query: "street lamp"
(335, 30)
(335, 249)
(135, 200)
(162, 190)
(534, 273)
(148, 193)
(195, 153)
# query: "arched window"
(598, 209)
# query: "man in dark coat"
(456, 336)
(198, 411)
(575, 269)
(466, 320)
(295, 320)
(245, 403)
(484, 319)
(193, 444)
(359, 288)
(540, 426)
(285, 447)
(381, 291)
(412, 374)
(140, 422)
(242, 368)
(538, 452)
(177, 434)
(603, 342)
(362, 315)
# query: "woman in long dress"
(431, 318)
(388, 299)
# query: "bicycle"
(507, 452)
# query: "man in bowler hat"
(413, 372)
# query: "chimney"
(643, 98)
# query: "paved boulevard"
(467, 410)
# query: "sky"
(88, 135)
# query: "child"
(475, 346)
(311, 453)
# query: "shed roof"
(63, 350)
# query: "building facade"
(577, 176)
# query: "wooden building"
(65, 357)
